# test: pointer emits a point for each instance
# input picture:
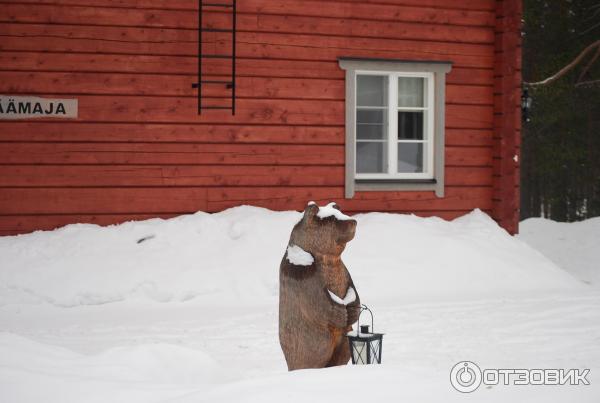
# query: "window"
(394, 125)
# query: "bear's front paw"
(338, 315)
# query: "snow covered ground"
(572, 246)
(185, 310)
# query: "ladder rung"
(216, 56)
(228, 83)
(216, 30)
(216, 5)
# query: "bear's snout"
(348, 230)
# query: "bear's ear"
(335, 206)
(311, 210)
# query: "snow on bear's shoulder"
(348, 299)
(329, 210)
(298, 256)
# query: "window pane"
(378, 116)
(410, 92)
(371, 157)
(372, 90)
(410, 125)
(371, 124)
(410, 157)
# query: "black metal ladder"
(229, 84)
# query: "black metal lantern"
(526, 102)
(365, 345)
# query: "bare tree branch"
(587, 83)
(568, 67)
(587, 67)
(589, 29)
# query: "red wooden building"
(405, 106)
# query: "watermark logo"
(466, 376)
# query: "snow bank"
(142, 373)
(216, 341)
(233, 257)
(572, 246)
(164, 353)
(376, 384)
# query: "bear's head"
(323, 230)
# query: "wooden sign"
(19, 107)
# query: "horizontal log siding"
(138, 149)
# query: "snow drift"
(572, 246)
(185, 310)
(233, 256)
(144, 373)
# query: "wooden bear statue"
(317, 300)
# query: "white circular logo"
(465, 376)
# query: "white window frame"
(392, 129)
(433, 179)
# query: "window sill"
(394, 181)
(399, 185)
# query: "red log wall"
(139, 150)
(507, 114)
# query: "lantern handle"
(363, 308)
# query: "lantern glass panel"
(359, 352)
(375, 351)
